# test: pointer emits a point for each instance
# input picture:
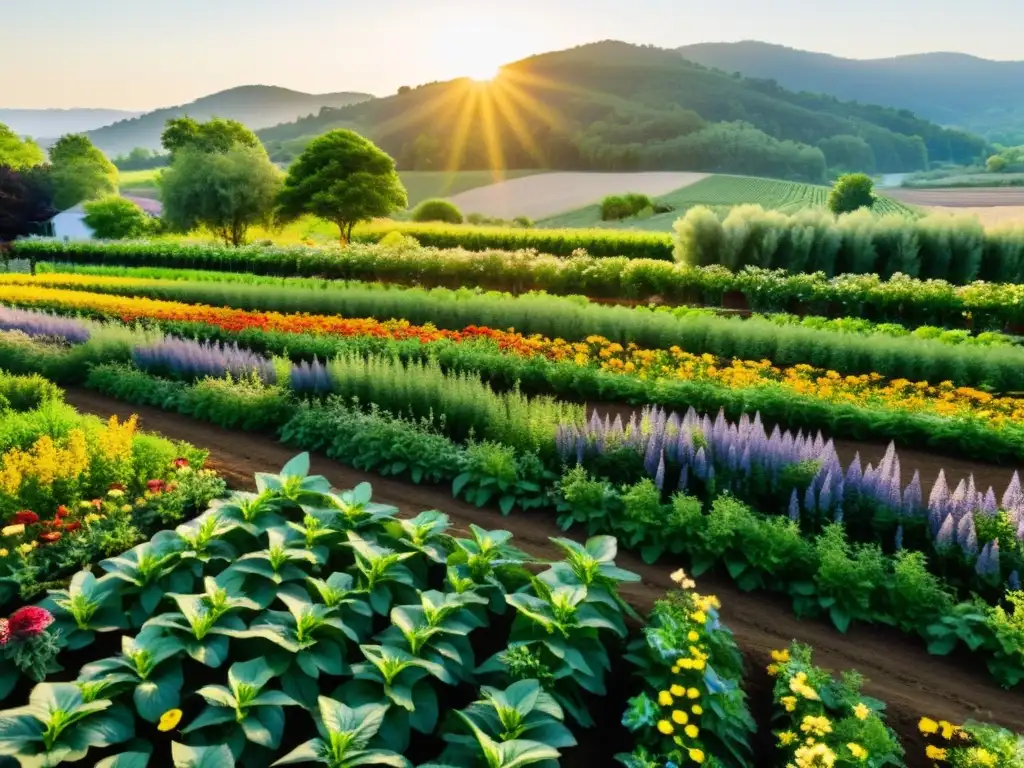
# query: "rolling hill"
(618, 107)
(258, 106)
(43, 123)
(950, 88)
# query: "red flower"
(98, 503)
(180, 462)
(118, 487)
(5, 633)
(156, 486)
(72, 527)
(26, 516)
(29, 621)
(62, 512)
(50, 537)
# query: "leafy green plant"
(346, 733)
(151, 570)
(89, 605)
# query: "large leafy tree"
(344, 178)
(17, 154)
(215, 135)
(114, 218)
(226, 192)
(80, 171)
(26, 202)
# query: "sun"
(484, 73)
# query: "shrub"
(437, 209)
(616, 207)
(115, 218)
(851, 192)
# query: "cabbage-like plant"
(338, 592)
(152, 664)
(205, 621)
(486, 559)
(345, 735)
(438, 630)
(269, 568)
(426, 533)
(383, 572)
(522, 714)
(592, 565)
(89, 605)
(392, 674)
(204, 538)
(244, 708)
(294, 483)
(150, 571)
(316, 531)
(58, 725)
(253, 513)
(353, 510)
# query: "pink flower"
(180, 462)
(155, 486)
(29, 621)
(5, 633)
(26, 517)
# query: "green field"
(720, 193)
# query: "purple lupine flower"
(310, 377)
(946, 536)
(939, 497)
(700, 464)
(809, 504)
(1012, 495)
(794, 507)
(825, 495)
(988, 560)
(1013, 582)
(967, 536)
(659, 477)
(912, 495)
(33, 323)
(684, 479)
(192, 359)
(988, 503)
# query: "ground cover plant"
(930, 355)
(343, 634)
(979, 305)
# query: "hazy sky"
(141, 54)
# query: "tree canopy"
(17, 154)
(344, 178)
(226, 192)
(26, 201)
(217, 135)
(80, 172)
(114, 218)
(851, 192)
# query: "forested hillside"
(614, 106)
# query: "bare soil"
(549, 194)
(953, 197)
(898, 669)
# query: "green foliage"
(616, 207)
(343, 178)
(28, 201)
(851, 193)
(848, 153)
(437, 209)
(216, 135)
(80, 172)
(18, 154)
(115, 218)
(227, 192)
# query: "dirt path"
(898, 669)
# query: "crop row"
(697, 332)
(980, 306)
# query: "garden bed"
(898, 670)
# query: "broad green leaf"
(308, 752)
(218, 756)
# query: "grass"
(965, 180)
(719, 193)
(421, 185)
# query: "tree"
(216, 135)
(848, 153)
(996, 164)
(26, 202)
(17, 154)
(344, 178)
(226, 192)
(852, 191)
(80, 172)
(437, 210)
(114, 218)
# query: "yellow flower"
(27, 547)
(773, 669)
(816, 725)
(861, 711)
(697, 709)
(926, 725)
(984, 757)
(126, 507)
(665, 727)
(665, 698)
(857, 751)
(780, 656)
(789, 702)
(13, 530)
(680, 717)
(677, 690)
(691, 731)
(696, 755)
(116, 493)
(169, 720)
(934, 753)
(3, 553)
(786, 738)
(92, 517)
(814, 755)
(693, 637)
(675, 670)
(948, 729)
(692, 693)
(699, 617)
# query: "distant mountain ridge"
(258, 106)
(43, 123)
(954, 89)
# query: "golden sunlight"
(483, 73)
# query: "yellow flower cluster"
(959, 751)
(44, 463)
(116, 439)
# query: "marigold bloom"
(697, 709)
(789, 703)
(927, 726)
(50, 537)
(692, 693)
(13, 530)
(858, 752)
(679, 717)
(861, 711)
(781, 656)
(935, 753)
(786, 738)
(61, 512)
(696, 755)
(169, 720)
(665, 727)
(677, 690)
(26, 517)
(691, 731)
